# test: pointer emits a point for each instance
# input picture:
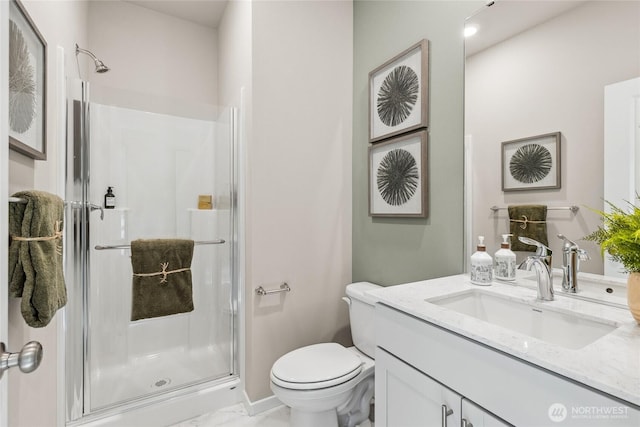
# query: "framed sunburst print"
(398, 176)
(27, 84)
(531, 163)
(398, 92)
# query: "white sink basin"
(563, 328)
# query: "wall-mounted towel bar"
(262, 292)
(17, 200)
(573, 208)
(202, 242)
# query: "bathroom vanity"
(451, 353)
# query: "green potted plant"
(619, 235)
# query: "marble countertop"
(610, 364)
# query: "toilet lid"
(316, 366)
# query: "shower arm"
(100, 66)
(85, 51)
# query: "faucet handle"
(583, 255)
(541, 250)
(568, 244)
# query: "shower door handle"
(27, 360)
(93, 207)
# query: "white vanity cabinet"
(421, 366)
(406, 397)
(474, 416)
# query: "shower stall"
(159, 157)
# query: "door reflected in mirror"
(535, 68)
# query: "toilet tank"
(361, 315)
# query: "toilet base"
(358, 408)
(301, 418)
(342, 405)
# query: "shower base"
(176, 406)
(157, 373)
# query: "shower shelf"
(201, 242)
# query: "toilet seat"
(316, 366)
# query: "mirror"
(535, 68)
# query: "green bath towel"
(528, 221)
(161, 277)
(35, 256)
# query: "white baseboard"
(263, 405)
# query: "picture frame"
(27, 84)
(398, 184)
(531, 163)
(398, 93)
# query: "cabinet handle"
(466, 423)
(445, 413)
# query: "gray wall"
(392, 251)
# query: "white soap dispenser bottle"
(481, 265)
(505, 261)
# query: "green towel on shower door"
(161, 283)
(35, 266)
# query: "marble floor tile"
(237, 416)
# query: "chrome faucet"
(571, 257)
(541, 262)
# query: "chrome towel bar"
(75, 205)
(202, 242)
(25, 201)
(573, 208)
(262, 292)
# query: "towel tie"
(164, 273)
(57, 234)
(525, 221)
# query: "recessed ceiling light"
(470, 30)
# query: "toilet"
(329, 385)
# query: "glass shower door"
(158, 165)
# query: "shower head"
(100, 67)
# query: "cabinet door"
(406, 397)
(474, 416)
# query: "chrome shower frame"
(77, 393)
(76, 251)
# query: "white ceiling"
(502, 20)
(203, 12)
(506, 18)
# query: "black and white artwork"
(398, 94)
(531, 163)
(27, 84)
(397, 176)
